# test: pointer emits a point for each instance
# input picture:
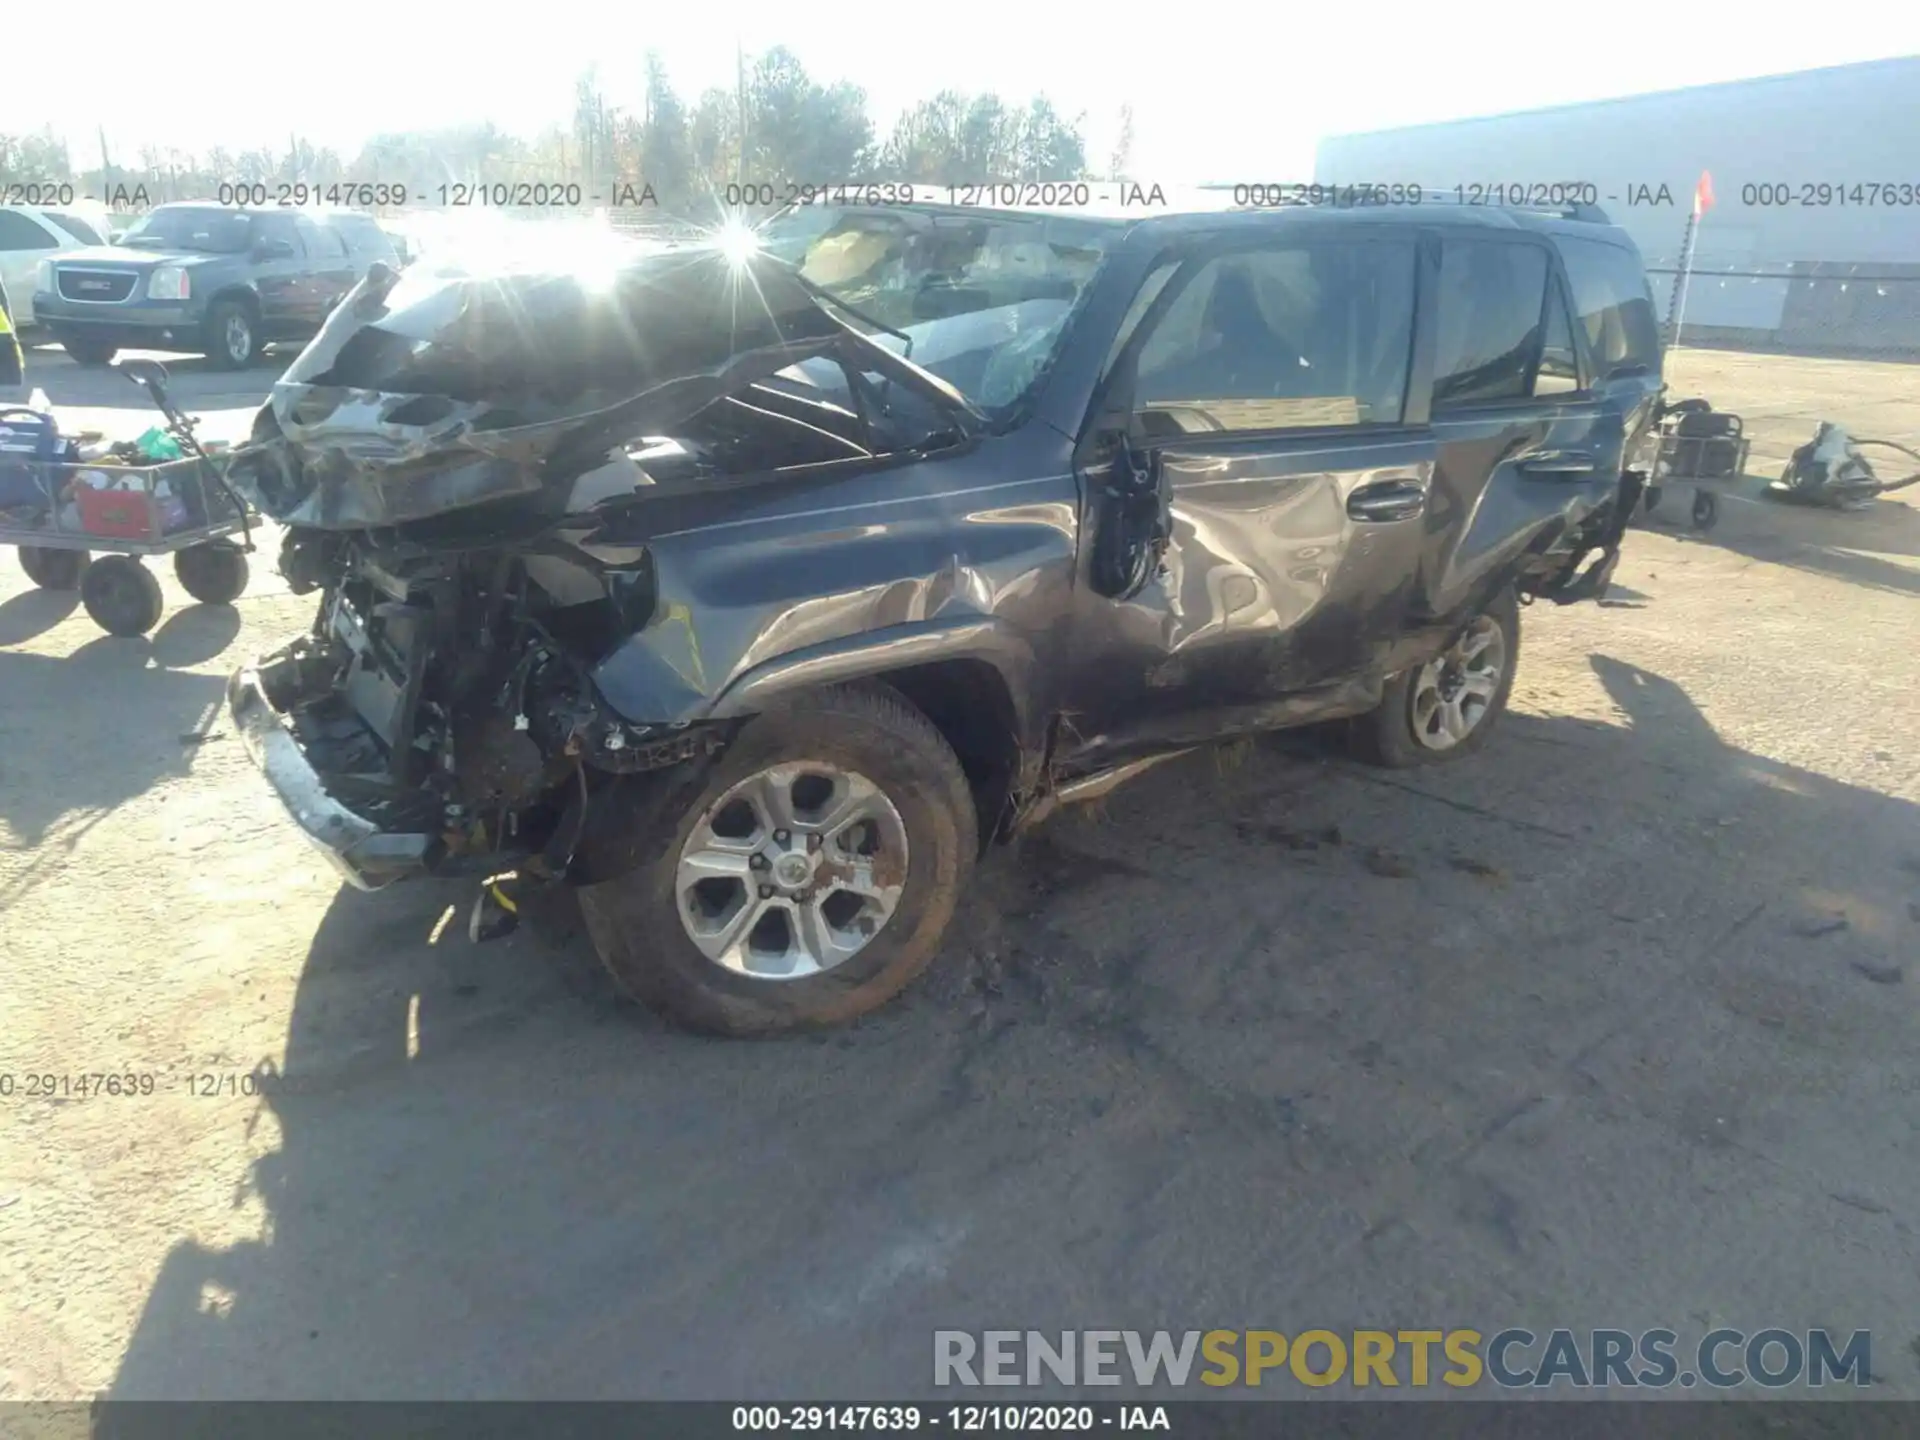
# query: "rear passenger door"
(1522, 429)
(1266, 388)
(280, 280)
(329, 269)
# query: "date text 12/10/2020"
(65, 1085)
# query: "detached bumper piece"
(1572, 584)
(369, 857)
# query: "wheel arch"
(971, 678)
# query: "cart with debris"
(60, 513)
(1705, 446)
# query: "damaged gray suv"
(754, 589)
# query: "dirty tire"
(89, 352)
(634, 920)
(1385, 735)
(121, 595)
(214, 573)
(53, 569)
(233, 339)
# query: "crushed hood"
(425, 393)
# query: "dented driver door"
(1267, 414)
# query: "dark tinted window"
(323, 242)
(192, 227)
(1282, 339)
(75, 226)
(1490, 303)
(1559, 365)
(17, 232)
(278, 227)
(363, 236)
(1614, 302)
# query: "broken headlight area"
(443, 708)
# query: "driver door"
(1264, 413)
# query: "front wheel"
(808, 883)
(1445, 709)
(232, 339)
(121, 595)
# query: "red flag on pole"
(1703, 194)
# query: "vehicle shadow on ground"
(1267, 1036)
(34, 612)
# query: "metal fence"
(1809, 306)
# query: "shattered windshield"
(983, 300)
(192, 227)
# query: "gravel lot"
(1565, 1036)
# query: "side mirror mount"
(273, 250)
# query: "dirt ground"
(1568, 1035)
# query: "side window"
(277, 227)
(17, 232)
(1489, 322)
(80, 229)
(323, 242)
(1289, 338)
(1559, 366)
(1614, 302)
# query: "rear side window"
(75, 226)
(363, 235)
(17, 232)
(1287, 338)
(1613, 303)
(1490, 310)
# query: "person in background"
(13, 365)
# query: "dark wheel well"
(970, 705)
(242, 296)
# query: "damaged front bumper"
(367, 856)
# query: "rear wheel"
(53, 569)
(84, 351)
(1445, 709)
(810, 881)
(121, 595)
(214, 573)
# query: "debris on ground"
(1288, 838)
(1858, 1202)
(1386, 863)
(201, 737)
(1814, 926)
(1467, 865)
(1880, 974)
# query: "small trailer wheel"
(53, 569)
(121, 595)
(1706, 510)
(214, 573)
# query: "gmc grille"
(104, 286)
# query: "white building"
(1813, 240)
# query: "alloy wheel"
(1453, 693)
(792, 872)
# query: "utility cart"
(1706, 446)
(60, 512)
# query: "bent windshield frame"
(984, 300)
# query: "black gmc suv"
(752, 588)
(219, 280)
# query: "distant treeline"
(779, 127)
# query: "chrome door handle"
(1387, 500)
(1557, 464)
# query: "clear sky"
(1221, 90)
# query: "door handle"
(1387, 500)
(1557, 464)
